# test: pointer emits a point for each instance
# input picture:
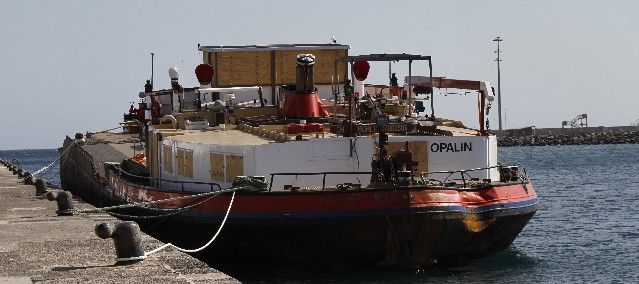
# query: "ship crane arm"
(486, 94)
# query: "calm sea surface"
(586, 229)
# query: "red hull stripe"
(367, 213)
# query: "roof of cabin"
(299, 46)
(219, 137)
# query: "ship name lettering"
(451, 147)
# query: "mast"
(498, 40)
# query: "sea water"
(586, 228)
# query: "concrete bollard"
(64, 199)
(127, 238)
(41, 186)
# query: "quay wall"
(37, 246)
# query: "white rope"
(205, 245)
(49, 165)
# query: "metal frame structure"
(385, 57)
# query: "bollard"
(26, 174)
(127, 239)
(29, 180)
(20, 173)
(64, 199)
(41, 186)
(14, 170)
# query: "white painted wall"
(316, 155)
(483, 154)
(329, 155)
(202, 164)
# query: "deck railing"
(122, 172)
(324, 174)
(463, 173)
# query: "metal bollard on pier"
(127, 238)
(41, 186)
(64, 199)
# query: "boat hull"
(398, 227)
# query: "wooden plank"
(234, 167)
(217, 166)
(188, 163)
(420, 154)
(419, 149)
(243, 68)
(180, 162)
(286, 62)
(167, 156)
(250, 68)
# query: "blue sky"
(74, 66)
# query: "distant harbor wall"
(531, 136)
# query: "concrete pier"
(37, 246)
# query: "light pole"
(498, 40)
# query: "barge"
(307, 163)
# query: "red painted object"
(301, 105)
(314, 127)
(294, 128)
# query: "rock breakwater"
(578, 138)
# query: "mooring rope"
(49, 165)
(173, 211)
(141, 204)
(228, 210)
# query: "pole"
(410, 87)
(498, 40)
(152, 70)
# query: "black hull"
(391, 241)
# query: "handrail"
(315, 173)
(463, 173)
(211, 184)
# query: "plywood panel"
(250, 68)
(234, 167)
(243, 68)
(217, 166)
(180, 162)
(188, 163)
(419, 150)
(286, 62)
(167, 156)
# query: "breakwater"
(575, 137)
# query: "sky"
(75, 66)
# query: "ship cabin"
(303, 117)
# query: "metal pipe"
(432, 89)
(410, 91)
